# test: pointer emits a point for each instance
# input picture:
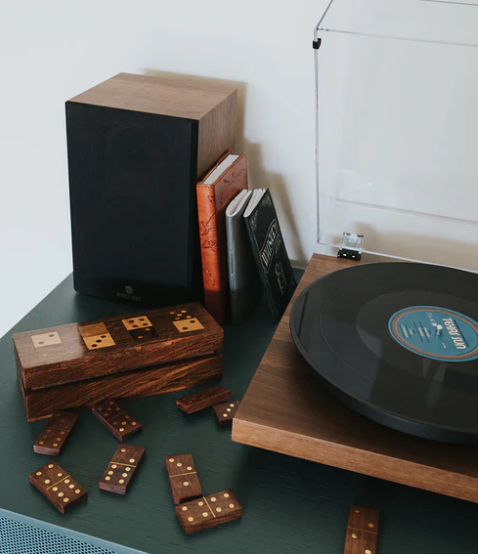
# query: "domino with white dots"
(183, 477)
(123, 465)
(55, 434)
(208, 511)
(121, 424)
(58, 486)
(362, 531)
(225, 412)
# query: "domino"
(204, 399)
(185, 322)
(225, 412)
(55, 434)
(58, 487)
(208, 511)
(362, 531)
(122, 467)
(116, 419)
(183, 477)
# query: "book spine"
(210, 255)
(263, 275)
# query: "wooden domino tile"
(58, 486)
(185, 322)
(225, 412)
(362, 531)
(56, 432)
(116, 419)
(122, 467)
(140, 328)
(208, 511)
(96, 336)
(46, 339)
(183, 477)
(204, 399)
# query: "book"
(214, 193)
(269, 251)
(244, 281)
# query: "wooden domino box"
(131, 356)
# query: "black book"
(269, 251)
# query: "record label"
(436, 333)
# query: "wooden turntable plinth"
(286, 410)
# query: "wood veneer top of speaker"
(186, 97)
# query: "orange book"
(214, 193)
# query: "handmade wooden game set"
(133, 356)
(91, 364)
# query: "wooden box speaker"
(137, 145)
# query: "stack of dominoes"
(78, 365)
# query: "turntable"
(374, 367)
(288, 409)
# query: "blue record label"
(436, 333)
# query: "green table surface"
(290, 505)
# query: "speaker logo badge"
(128, 294)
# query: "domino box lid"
(397, 123)
(79, 351)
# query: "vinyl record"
(397, 343)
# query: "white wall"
(53, 50)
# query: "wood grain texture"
(362, 531)
(208, 511)
(286, 410)
(117, 420)
(55, 434)
(216, 131)
(163, 95)
(58, 487)
(203, 399)
(212, 200)
(120, 471)
(183, 477)
(72, 360)
(136, 384)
